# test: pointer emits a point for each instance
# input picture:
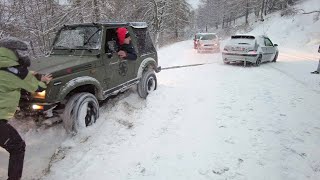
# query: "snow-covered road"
(213, 121)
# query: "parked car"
(87, 69)
(208, 42)
(250, 49)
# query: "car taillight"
(252, 52)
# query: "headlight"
(40, 95)
(37, 107)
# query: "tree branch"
(311, 12)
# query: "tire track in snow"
(295, 79)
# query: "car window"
(267, 42)
(83, 37)
(111, 40)
(209, 37)
(198, 36)
(242, 41)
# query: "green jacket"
(11, 85)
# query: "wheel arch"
(148, 62)
(81, 84)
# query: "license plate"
(238, 49)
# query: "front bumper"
(36, 106)
(209, 48)
(236, 57)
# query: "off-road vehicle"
(87, 69)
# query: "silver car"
(208, 42)
(248, 48)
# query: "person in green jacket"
(14, 76)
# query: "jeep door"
(132, 74)
(116, 68)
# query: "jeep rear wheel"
(81, 111)
(147, 84)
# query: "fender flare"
(145, 63)
(81, 81)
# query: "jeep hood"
(57, 63)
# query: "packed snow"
(212, 121)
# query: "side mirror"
(109, 55)
(319, 49)
(275, 45)
(112, 46)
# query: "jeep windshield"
(78, 37)
(208, 37)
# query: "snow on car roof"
(206, 33)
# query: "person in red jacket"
(126, 49)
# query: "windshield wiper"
(61, 47)
(87, 41)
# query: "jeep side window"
(112, 44)
(144, 41)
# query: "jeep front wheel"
(147, 84)
(81, 111)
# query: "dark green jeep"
(87, 69)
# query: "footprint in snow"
(220, 171)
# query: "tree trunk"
(96, 12)
(262, 9)
(247, 12)
(78, 5)
(266, 7)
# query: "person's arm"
(31, 84)
(131, 56)
(131, 53)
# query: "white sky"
(194, 3)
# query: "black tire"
(72, 120)
(258, 61)
(275, 58)
(147, 84)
